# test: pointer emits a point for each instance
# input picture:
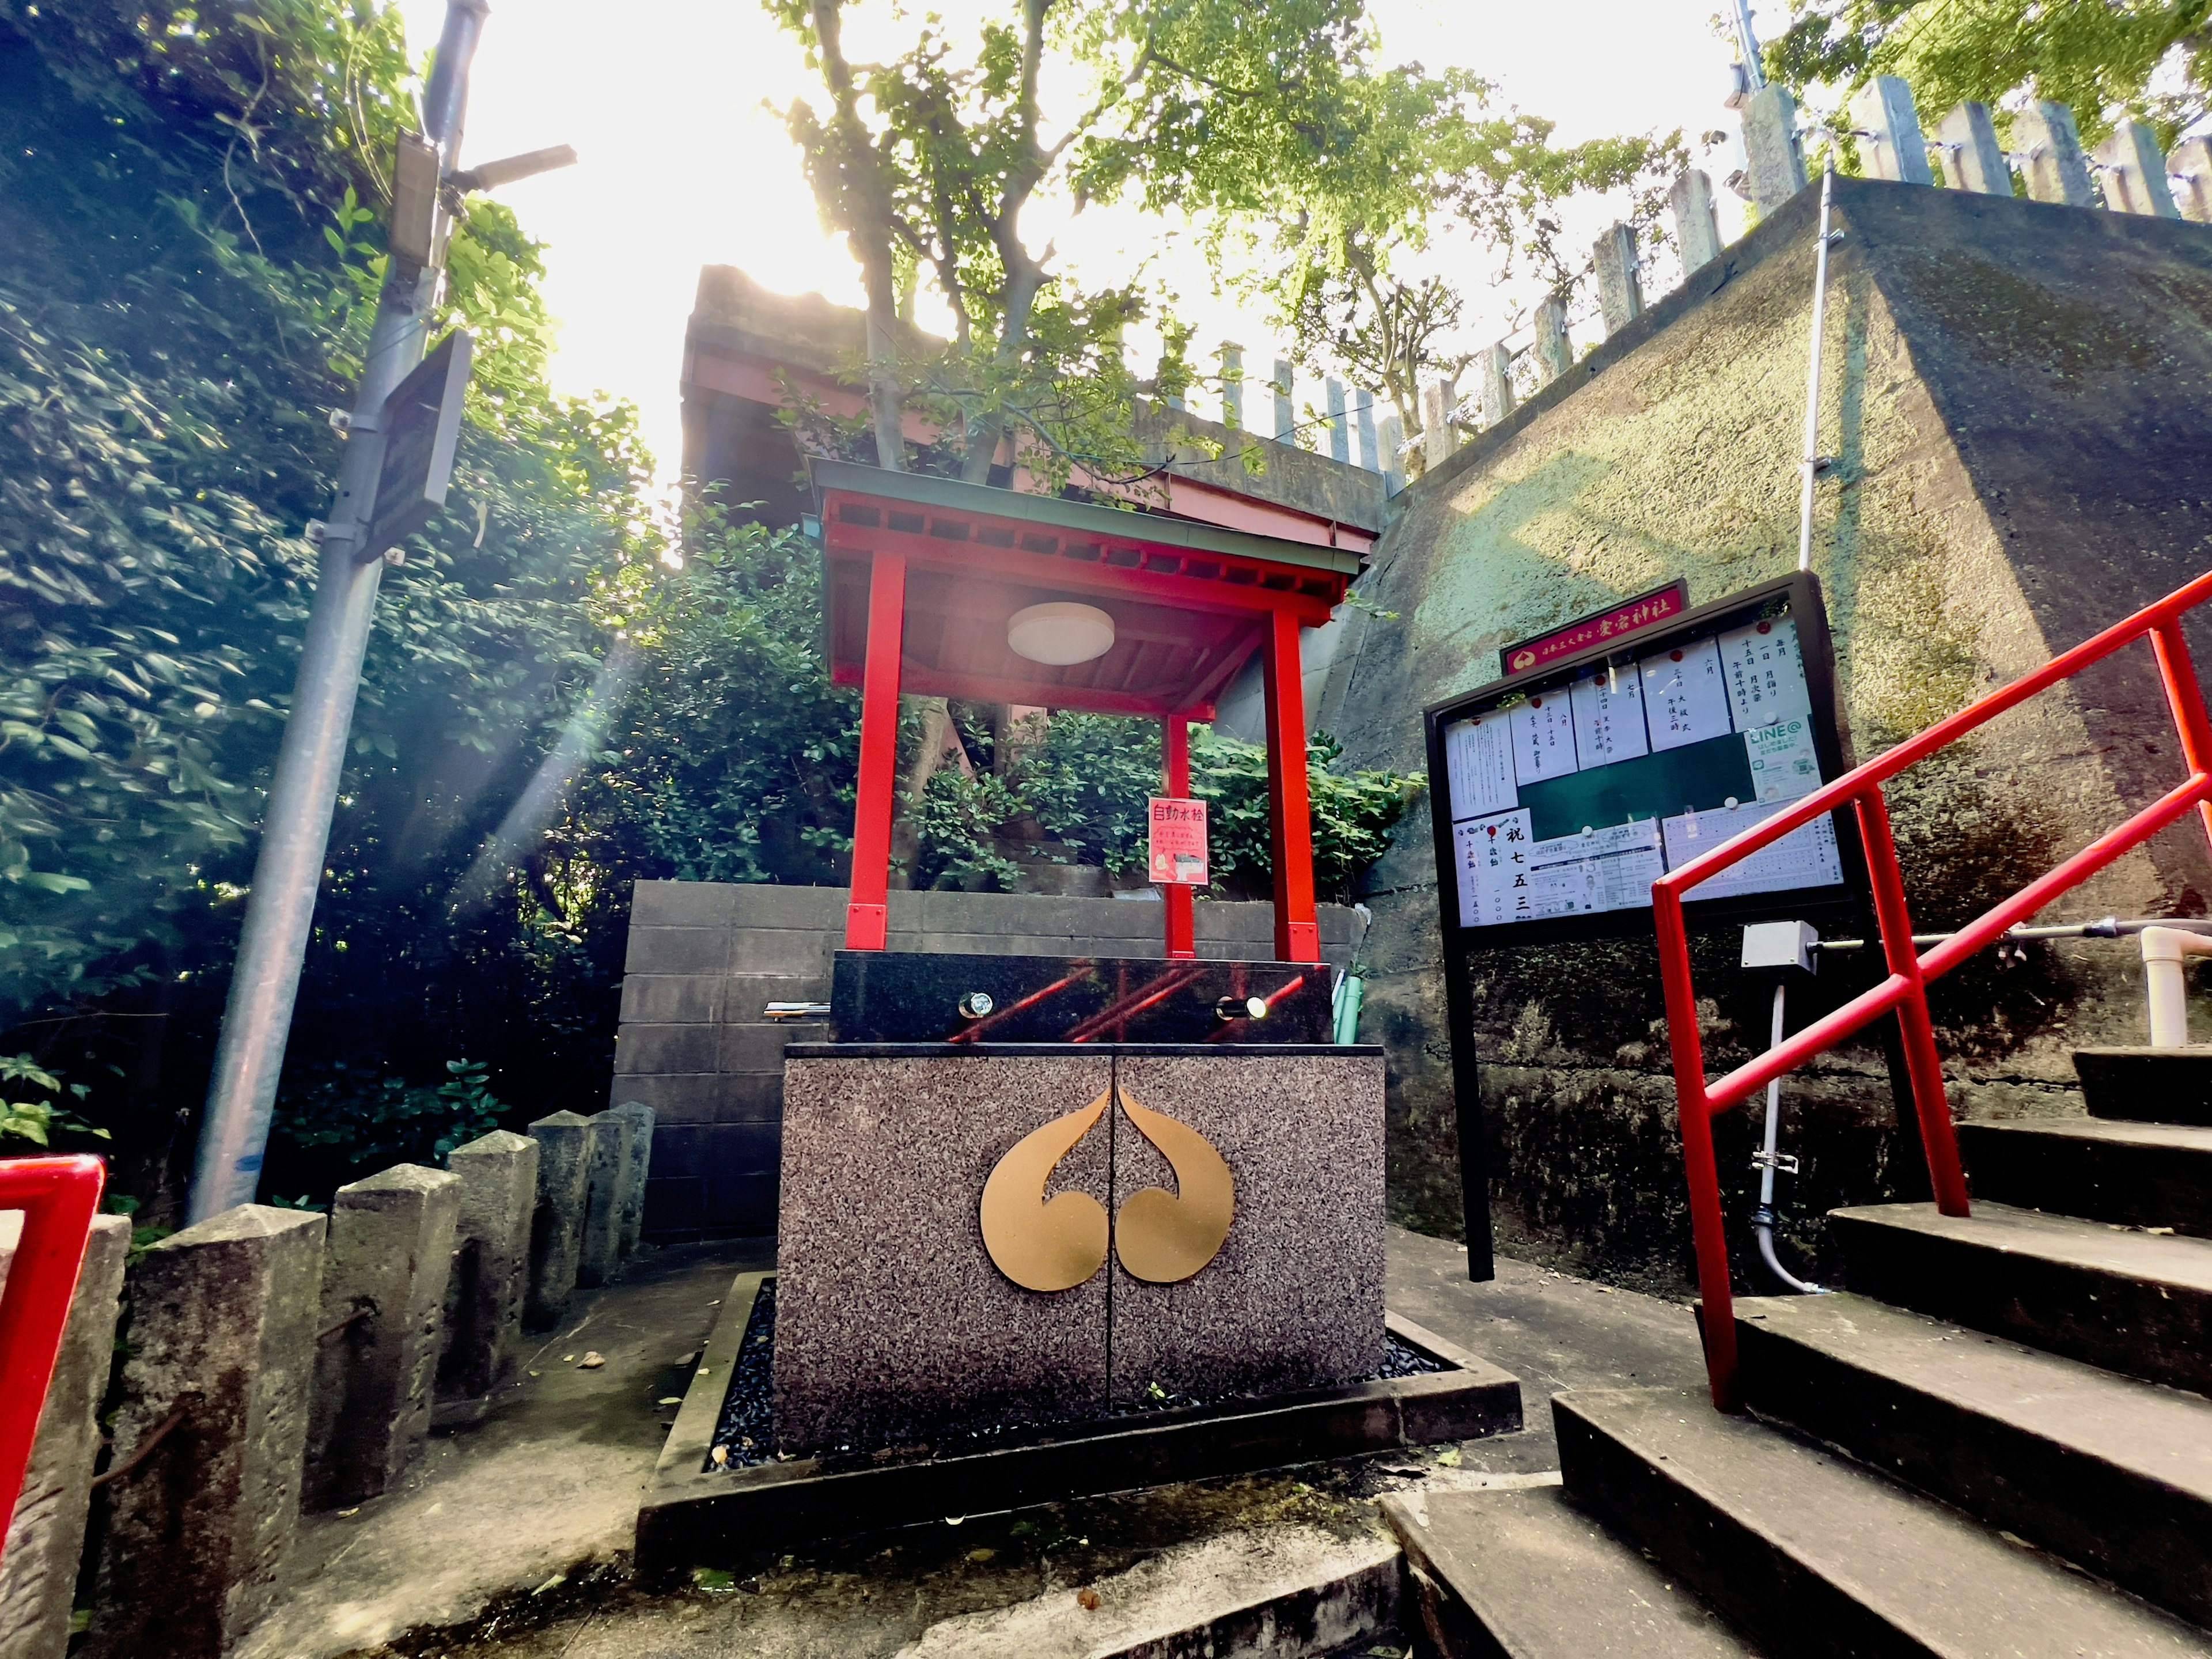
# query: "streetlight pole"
(303, 791)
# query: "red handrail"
(58, 1197)
(1904, 989)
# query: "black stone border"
(692, 1515)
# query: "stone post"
(498, 1173)
(46, 1538)
(1555, 355)
(1493, 384)
(556, 1231)
(1892, 143)
(1391, 440)
(640, 1117)
(610, 1159)
(1339, 436)
(1619, 294)
(1363, 418)
(385, 1272)
(2134, 171)
(1232, 385)
(1973, 158)
(2189, 170)
(2055, 169)
(1774, 161)
(1286, 415)
(1438, 438)
(1697, 226)
(222, 1331)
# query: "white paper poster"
(1492, 858)
(1784, 765)
(1543, 737)
(1765, 674)
(1686, 700)
(1609, 717)
(1608, 869)
(1804, 858)
(1479, 760)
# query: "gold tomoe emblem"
(1057, 1243)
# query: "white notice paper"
(1479, 758)
(1784, 765)
(1803, 858)
(1685, 699)
(1492, 855)
(1608, 869)
(1609, 717)
(1544, 737)
(1765, 674)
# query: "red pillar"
(1182, 938)
(867, 917)
(1297, 932)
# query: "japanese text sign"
(1178, 841)
(1629, 617)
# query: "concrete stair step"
(2108, 1472)
(1525, 1575)
(2144, 1175)
(1814, 1554)
(2136, 1302)
(2149, 1085)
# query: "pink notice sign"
(1178, 841)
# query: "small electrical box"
(1770, 944)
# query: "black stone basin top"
(959, 1000)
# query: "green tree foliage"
(1087, 785)
(2104, 58)
(1417, 163)
(190, 203)
(926, 164)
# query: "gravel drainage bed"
(745, 1431)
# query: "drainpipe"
(2167, 989)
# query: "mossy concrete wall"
(2016, 399)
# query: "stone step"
(2108, 1472)
(1285, 1592)
(2132, 1301)
(2149, 1085)
(1813, 1554)
(2143, 1174)
(1525, 1575)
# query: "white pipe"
(1763, 1218)
(1811, 464)
(2165, 987)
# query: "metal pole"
(1811, 464)
(1748, 44)
(303, 790)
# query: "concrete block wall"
(706, 958)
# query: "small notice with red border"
(1629, 617)
(1178, 843)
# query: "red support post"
(1181, 927)
(2185, 696)
(58, 1197)
(1922, 1063)
(1298, 930)
(867, 916)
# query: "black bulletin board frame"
(1832, 747)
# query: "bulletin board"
(1560, 797)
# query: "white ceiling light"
(1059, 632)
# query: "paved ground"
(546, 1489)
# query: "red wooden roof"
(1190, 601)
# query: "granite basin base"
(696, 1514)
